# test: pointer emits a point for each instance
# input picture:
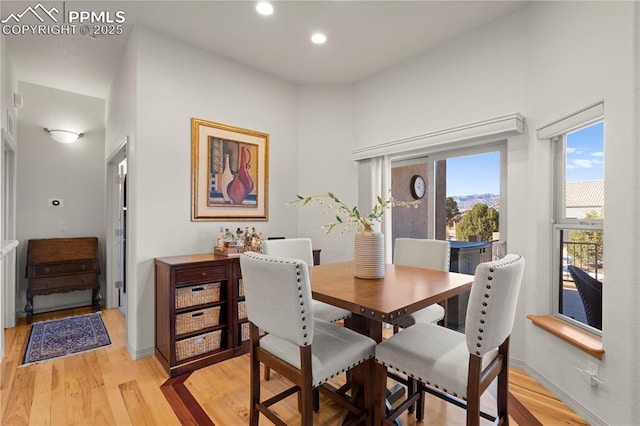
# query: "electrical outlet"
(62, 226)
(591, 367)
(56, 202)
(590, 373)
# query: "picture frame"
(229, 172)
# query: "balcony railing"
(586, 256)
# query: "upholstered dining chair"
(301, 248)
(590, 291)
(303, 349)
(422, 253)
(454, 366)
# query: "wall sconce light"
(63, 136)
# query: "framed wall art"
(229, 172)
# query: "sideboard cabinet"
(197, 311)
(201, 317)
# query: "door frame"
(8, 231)
(113, 205)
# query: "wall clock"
(418, 187)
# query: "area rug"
(67, 336)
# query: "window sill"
(581, 339)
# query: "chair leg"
(503, 384)
(255, 391)
(411, 389)
(473, 391)
(267, 373)
(420, 404)
(306, 394)
(316, 400)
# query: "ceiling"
(364, 37)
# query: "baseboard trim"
(563, 396)
(143, 353)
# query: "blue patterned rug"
(66, 336)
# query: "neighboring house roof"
(588, 193)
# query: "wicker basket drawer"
(197, 295)
(197, 320)
(244, 331)
(198, 345)
(240, 288)
(242, 310)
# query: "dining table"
(373, 302)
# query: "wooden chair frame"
(477, 383)
(302, 384)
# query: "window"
(577, 231)
(456, 181)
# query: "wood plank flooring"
(105, 387)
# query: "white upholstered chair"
(422, 253)
(459, 367)
(301, 248)
(305, 350)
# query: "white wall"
(544, 62)
(120, 124)
(3, 57)
(175, 82)
(581, 53)
(326, 129)
(48, 169)
(474, 77)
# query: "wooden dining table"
(373, 302)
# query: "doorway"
(117, 234)
(121, 239)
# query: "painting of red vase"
(229, 172)
(233, 173)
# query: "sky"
(585, 154)
(480, 174)
(475, 174)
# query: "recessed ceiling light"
(264, 8)
(318, 38)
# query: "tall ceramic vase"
(368, 254)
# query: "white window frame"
(557, 133)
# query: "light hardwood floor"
(106, 387)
